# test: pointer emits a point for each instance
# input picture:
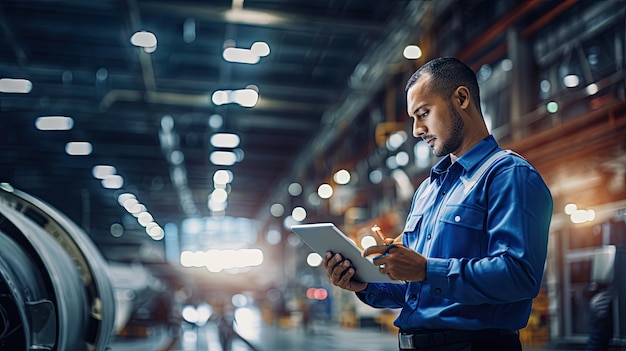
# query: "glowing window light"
(222, 176)
(113, 182)
(190, 314)
(341, 177)
(277, 210)
(144, 218)
(137, 208)
(367, 241)
(317, 293)
(314, 199)
(177, 157)
(187, 259)
(155, 232)
(144, 39)
(223, 158)
(314, 259)
(219, 195)
(592, 89)
(245, 97)
(325, 191)
(402, 158)
(422, 155)
(552, 107)
(507, 65)
(273, 237)
(376, 176)
(228, 140)
(103, 171)
(294, 189)
(150, 49)
(391, 162)
(54, 123)
(217, 260)
(396, 140)
(121, 199)
(298, 213)
(129, 203)
(240, 56)
(221, 97)
(570, 208)
(260, 48)
(582, 216)
(17, 86)
(545, 86)
(78, 148)
(412, 52)
(217, 206)
(571, 80)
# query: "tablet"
(324, 237)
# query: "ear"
(462, 96)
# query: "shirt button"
(413, 297)
(370, 295)
(457, 218)
(438, 291)
(428, 236)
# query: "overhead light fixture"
(78, 148)
(250, 56)
(113, 182)
(227, 140)
(244, 97)
(240, 56)
(223, 158)
(144, 39)
(325, 191)
(103, 171)
(18, 86)
(341, 177)
(54, 123)
(251, 17)
(412, 52)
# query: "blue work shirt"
(485, 247)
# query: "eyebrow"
(419, 108)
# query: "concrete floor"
(323, 337)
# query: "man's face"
(435, 119)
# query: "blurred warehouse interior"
(167, 147)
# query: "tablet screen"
(324, 237)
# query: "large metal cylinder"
(55, 293)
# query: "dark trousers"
(601, 321)
(509, 342)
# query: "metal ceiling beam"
(218, 14)
(18, 51)
(368, 77)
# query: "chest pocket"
(463, 226)
(411, 224)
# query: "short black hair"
(448, 73)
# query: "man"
(475, 241)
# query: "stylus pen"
(376, 229)
(386, 252)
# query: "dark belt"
(410, 340)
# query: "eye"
(423, 115)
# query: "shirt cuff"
(437, 275)
(369, 293)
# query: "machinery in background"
(55, 292)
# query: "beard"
(455, 134)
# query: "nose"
(419, 128)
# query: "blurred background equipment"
(55, 293)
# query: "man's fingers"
(376, 249)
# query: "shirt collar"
(469, 160)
